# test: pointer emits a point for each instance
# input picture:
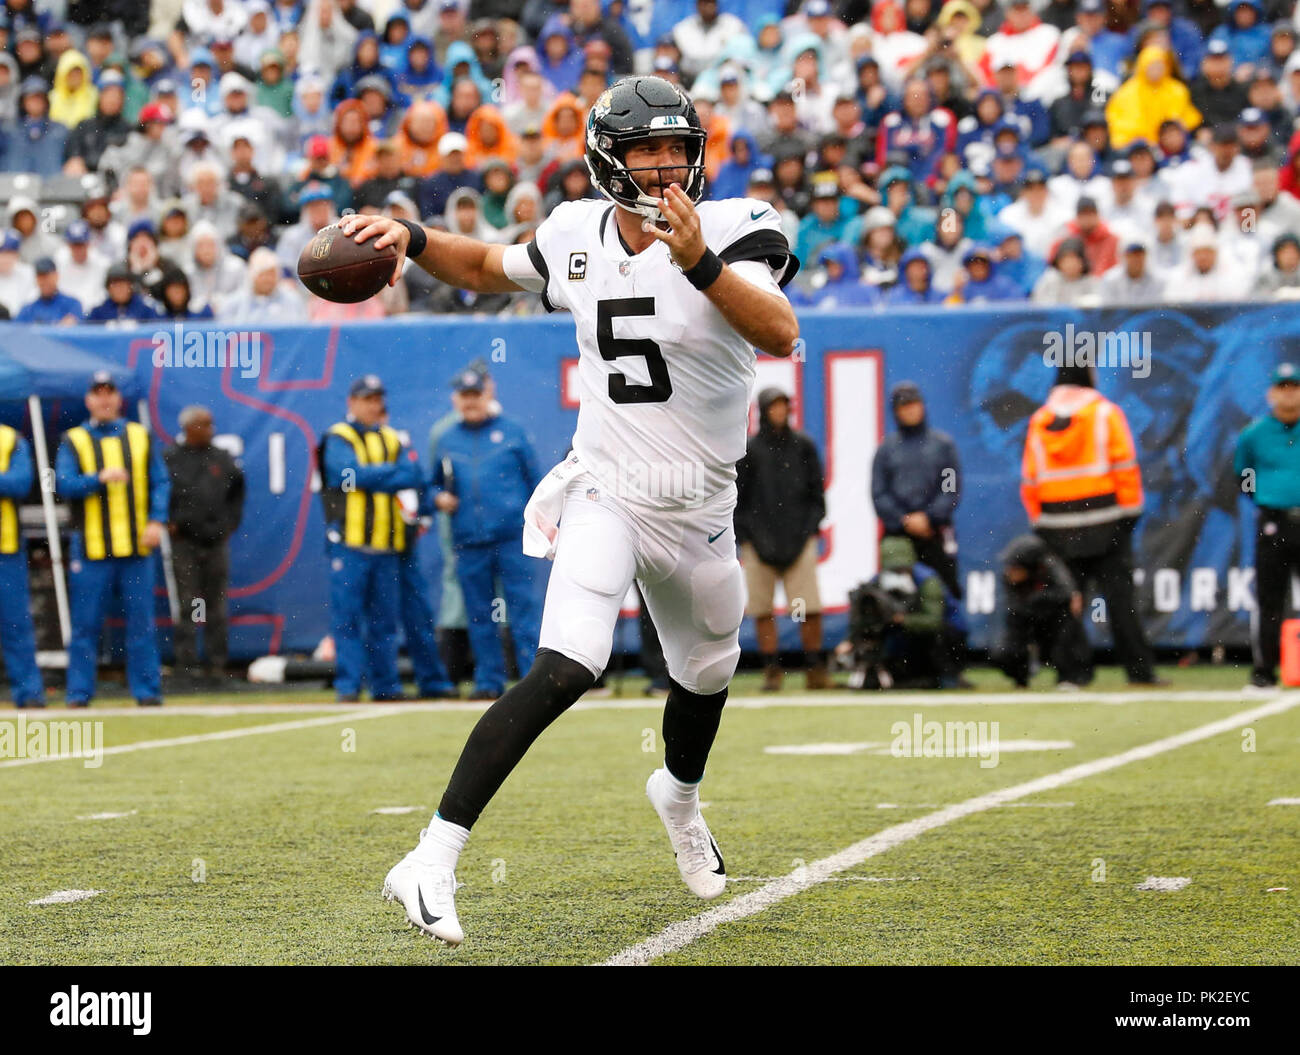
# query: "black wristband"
(706, 270)
(419, 240)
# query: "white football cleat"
(428, 893)
(698, 858)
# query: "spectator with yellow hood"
(74, 97)
(1148, 99)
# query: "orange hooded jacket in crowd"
(564, 139)
(489, 138)
(417, 140)
(352, 147)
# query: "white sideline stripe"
(198, 710)
(750, 703)
(107, 816)
(201, 738)
(678, 935)
(359, 712)
(396, 811)
(1284, 802)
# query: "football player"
(670, 296)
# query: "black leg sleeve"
(506, 731)
(690, 724)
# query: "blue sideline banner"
(1188, 379)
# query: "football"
(338, 268)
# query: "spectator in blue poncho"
(915, 222)
(561, 60)
(733, 175)
(823, 223)
(1245, 33)
(979, 281)
(393, 44)
(915, 285)
(419, 75)
(365, 63)
(838, 284)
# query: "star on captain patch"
(625, 267)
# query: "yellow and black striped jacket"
(11, 536)
(367, 519)
(112, 519)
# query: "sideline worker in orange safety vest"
(1082, 490)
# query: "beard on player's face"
(655, 164)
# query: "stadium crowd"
(171, 158)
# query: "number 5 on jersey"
(621, 390)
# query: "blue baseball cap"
(141, 226)
(367, 385)
(44, 265)
(78, 233)
(109, 78)
(11, 242)
(101, 379)
(470, 380)
(1217, 47)
(1285, 374)
(314, 192)
(1252, 115)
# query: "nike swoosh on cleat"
(714, 538)
(721, 870)
(429, 920)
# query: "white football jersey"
(664, 379)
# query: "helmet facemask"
(611, 176)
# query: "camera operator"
(904, 628)
(1043, 606)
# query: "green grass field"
(265, 848)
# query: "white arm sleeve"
(518, 265)
(756, 273)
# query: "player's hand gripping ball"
(338, 268)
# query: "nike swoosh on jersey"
(430, 920)
(756, 215)
(714, 538)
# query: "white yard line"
(65, 897)
(678, 935)
(202, 738)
